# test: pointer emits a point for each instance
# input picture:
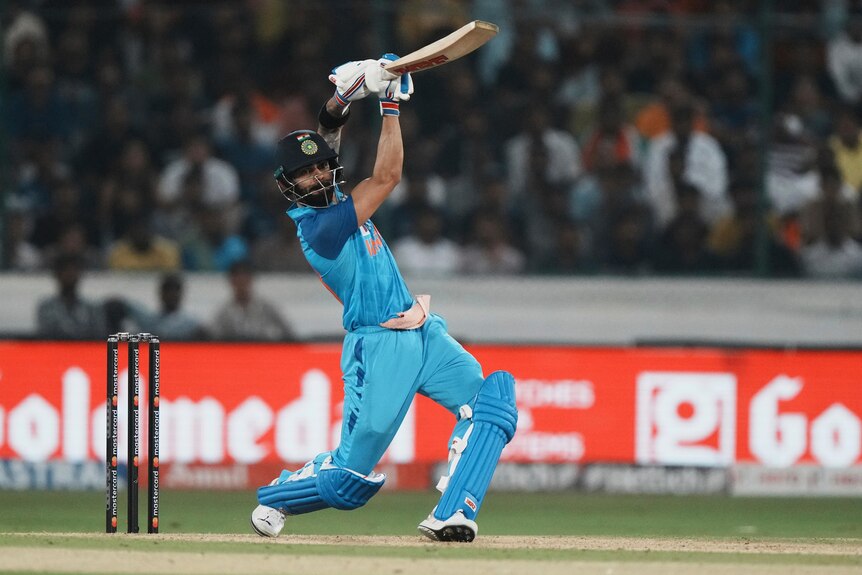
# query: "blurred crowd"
(244, 315)
(591, 136)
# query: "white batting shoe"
(456, 528)
(267, 521)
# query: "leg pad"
(345, 489)
(495, 404)
(494, 420)
(331, 486)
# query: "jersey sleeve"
(326, 231)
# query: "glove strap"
(331, 122)
(389, 108)
(340, 99)
(344, 99)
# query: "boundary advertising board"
(267, 406)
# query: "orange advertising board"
(256, 404)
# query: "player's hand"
(376, 78)
(350, 82)
(391, 88)
(387, 84)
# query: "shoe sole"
(455, 533)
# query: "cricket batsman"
(394, 347)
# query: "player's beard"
(320, 195)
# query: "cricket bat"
(459, 43)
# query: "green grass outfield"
(391, 513)
(526, 527)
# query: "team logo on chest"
(373, 243)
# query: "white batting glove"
(391, 88)
(398, 89)
(350, 81)
(376, 78)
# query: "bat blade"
(459, 43)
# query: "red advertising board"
(267, 404)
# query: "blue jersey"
(354, 263)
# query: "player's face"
(313, 176)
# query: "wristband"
(389, 108)
(331, 122)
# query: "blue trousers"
(383, 370)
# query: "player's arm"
(391, 90)
(332, 118)
(350, 86)
(353, 81)
(370, 193)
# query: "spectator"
(426, 251)
(539, 155)
(128, 188)
(493, 197)
(280, 250)
(39, 170)
(734, 42)
(75, 82)
(489, 251)
(628, 248)
(595, 198)
(833, 192)
(139, 249)
(844, 59)
(801, 55)
(68, 208)
(658, 55)
(612, 141)
(208, 245)
(734, 112)
(170, 322)
(654, 119)
(176, 220)
(579, 86)
(417, 195)
(67, 315)
(568, 255)
(543, 165)
(21, 255)
(734, 238)
(104, 148)
(25, 45)
(846, 144)
(249, 118)
(704, 166)
(467, 153)
(248, 316)
(791, 174)
(682, 247)
(72, 239)
(38, 111)
(220, 186)
(836, 255)
(248, 154)
(806, 102)
(546, 211)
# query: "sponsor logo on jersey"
(373, 243)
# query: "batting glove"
(391, 88)
(349, 80)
